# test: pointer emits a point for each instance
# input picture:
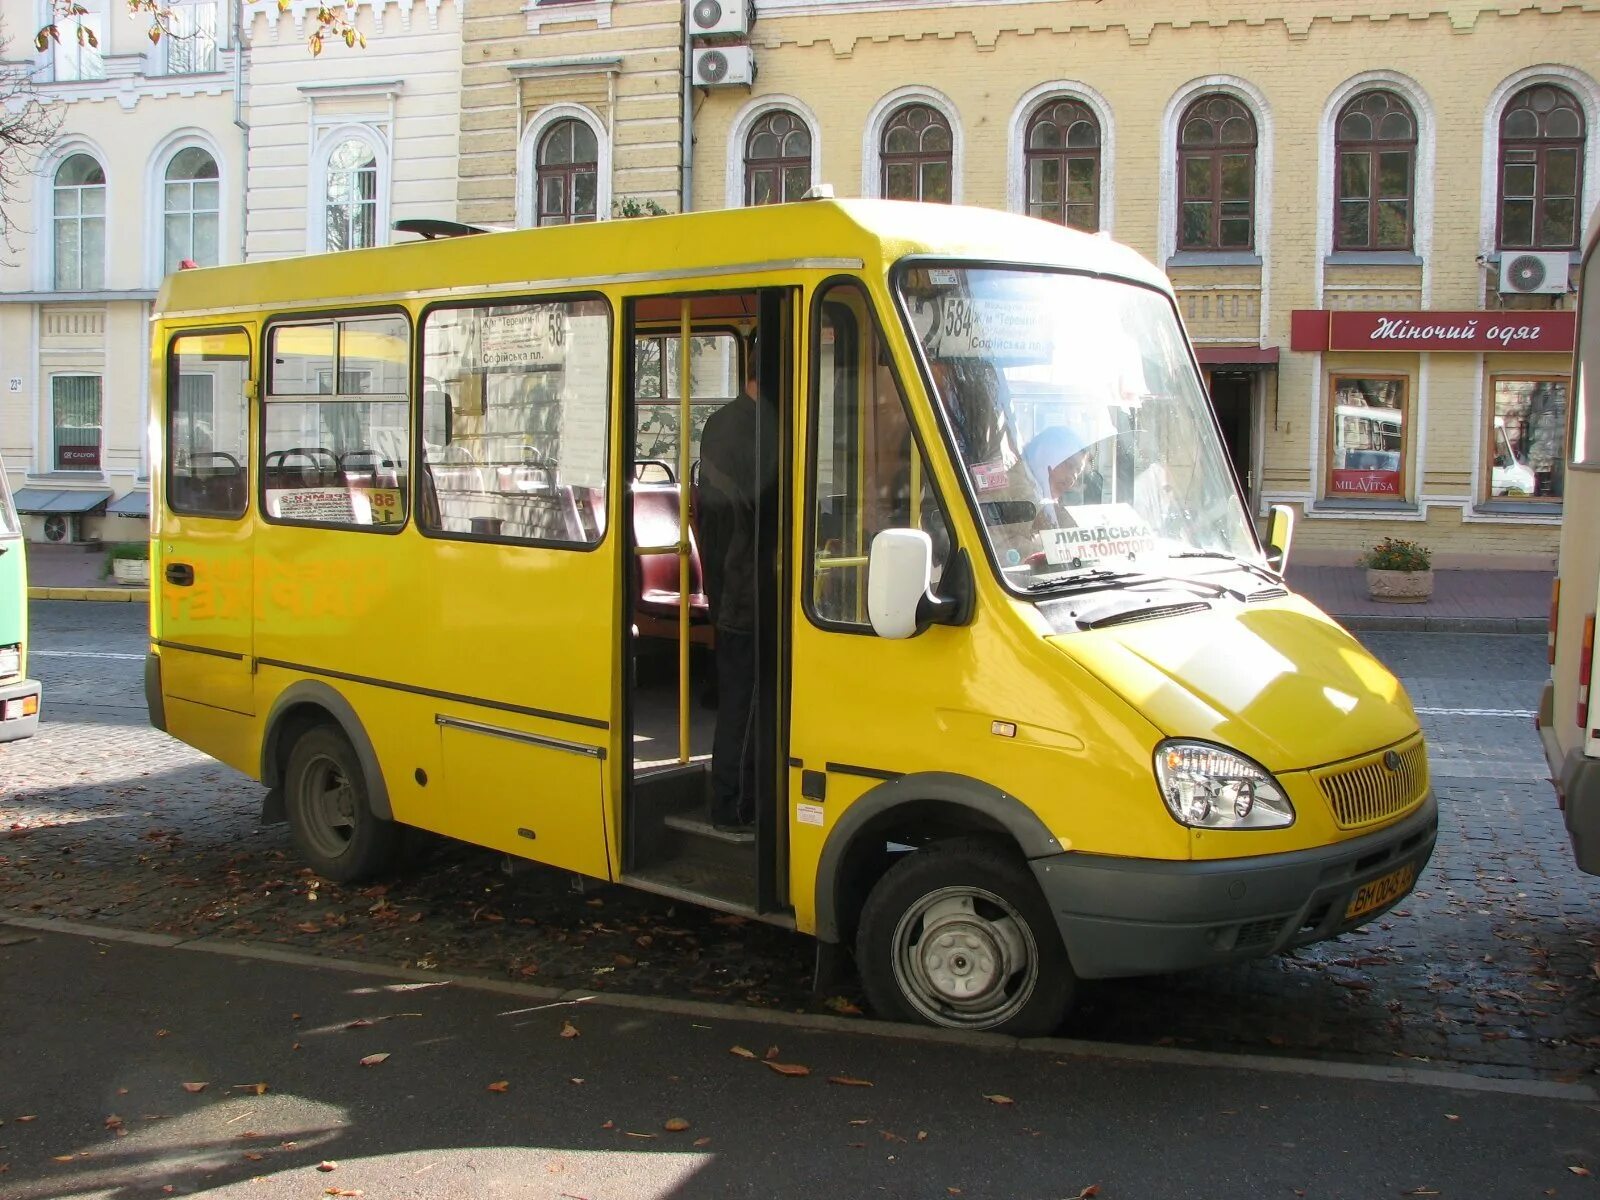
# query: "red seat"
(655, 523)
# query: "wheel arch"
(300, 706)
(925, 806)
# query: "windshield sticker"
(1011, 331)
(1099, 532)
(937, 276)
(990, 476)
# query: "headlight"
(1207, 787)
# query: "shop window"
(777, 159)
(207, 424)
(79, 198)
(336, 419)
(1367, 438)
(918, 155)
(1216, 175)
(1063, 164)
(868, 473)
(1526, 444)
(350, 204)
(1376, 151)
(569, 173)
(1541, 170)
(192, 205)
(75, 422)
(514, 418)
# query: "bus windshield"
(1079, 420)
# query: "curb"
(127, 595)
(1458, 1078)
(1374, 623)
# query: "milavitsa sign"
(1473, 332)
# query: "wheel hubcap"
(330, 807)
(965, 958)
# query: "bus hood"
(1279, 682)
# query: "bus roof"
(818, 234)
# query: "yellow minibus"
(871, 569)
(1570, 735)
(19, 695)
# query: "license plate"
(10, 662)
(1383, 890)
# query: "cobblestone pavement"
(1493, 963)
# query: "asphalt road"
(1490, 965)
(418, 1089)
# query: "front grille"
(1369, 791)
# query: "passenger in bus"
(734, 472)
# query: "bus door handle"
(181, 574)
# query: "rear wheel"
(958, 935)
(325, 799)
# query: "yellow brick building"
(1369, 208)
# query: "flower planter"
(1400, 587)
(131, 570)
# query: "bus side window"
(868, 474)
(208, 424)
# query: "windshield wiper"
(1069, 580)
(1254, 568)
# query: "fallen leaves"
(194, 1088)
(741, 1052)
(1580, 1171)
(840, 1005)
(849, 1081)
(794, 1070)
(373, 1060)
(675, 1125)
(1092, 1190)
(569, 1030)
(327, 1165)
(997, 1098)
(500, 1085)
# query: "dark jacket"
(731, 481)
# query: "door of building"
(1233, 397)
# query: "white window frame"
(46, 270)
(878, 118)
(1017, 144)
(328, 139)
(739, 134)
(218, 37)
(1586, 91)
(1255, 100)
(156, 200)
(94, 19)
(528, 160)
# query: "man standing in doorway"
(732, 477)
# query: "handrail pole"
(684, 493)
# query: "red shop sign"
(1366, 483)
(1542, 332)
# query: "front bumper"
(1122, 916)
(19, 727)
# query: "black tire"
(997, 937)
(330, 818)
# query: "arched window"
(918, 152)
(191, 205)
(1376, 152)
(1541, 169)
(351, 202)
(1063, 164)
(1216, 175)
(569, 173)
(777, 159)
(80, 225)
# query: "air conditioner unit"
(62, 528)
(720, 18)
(724, 66)
(1525, 271)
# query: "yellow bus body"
(424, 642)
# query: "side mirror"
(899, 575)
(1280, 533)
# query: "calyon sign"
(1542, 332)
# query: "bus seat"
(655, 523)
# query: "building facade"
(146, 173)
(1369, 211)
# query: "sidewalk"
(1463, 601)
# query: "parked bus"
(1008, 690)
(1571, 740)
(19, 695)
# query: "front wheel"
(325, 799)
(959, 935)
